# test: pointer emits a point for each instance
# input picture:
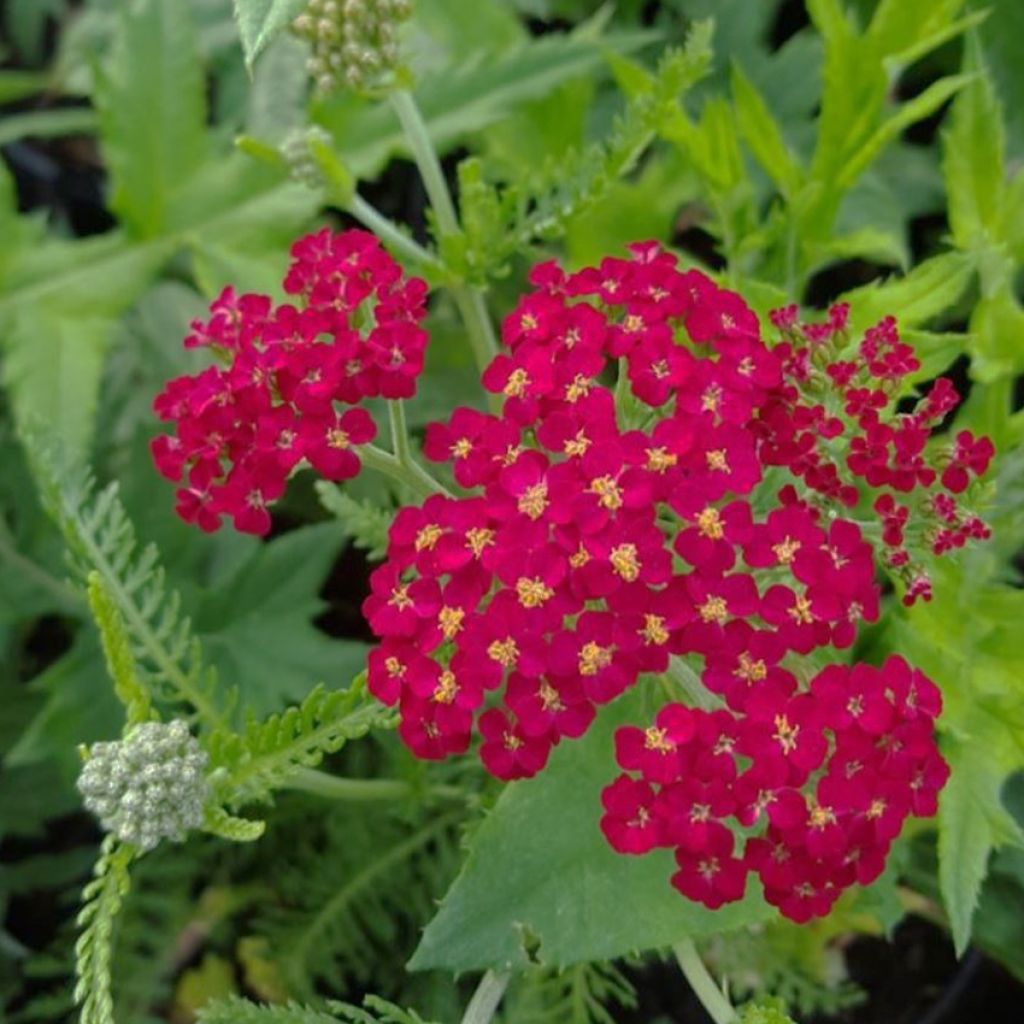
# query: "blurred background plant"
(805, 152)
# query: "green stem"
(399, 431)
(486, 998)
(469, 300)
(411, 474)
(390, 233)
(310, 780)
(704, 987)
(427, 161)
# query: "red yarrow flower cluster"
(289, 378)
(835, 386)
(807, 794)
(604, 537)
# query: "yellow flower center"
(504, 652)
(714, 609)
(450, 620)
(717, 460)
(534, 500)
(607, 491)
(625, 562)
(428, 537)
(594, 658)
(786, 734)
(447, 688)
(532, 591)
(785, 551)
(709, 522)
(654, 631)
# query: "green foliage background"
(872, 154)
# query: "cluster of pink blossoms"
(814, 788)
(826, 397)
(288, 374)
(602, 537)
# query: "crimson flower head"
(286, 374)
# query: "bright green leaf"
(151, 97)
(997, 334)
(259, 21)
(931, 288)
(52, 373)
(539, 868)
(973, 156)
(763, 135)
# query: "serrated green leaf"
(972, 821)
(931, 288)
(152, 102)
(539, 866)
(257, 628)
(763, 134)
(52, 373)
(973, 157)
(997, 336)
(117, 650)
(226, 826)
(917, 109)
(465, 98)
(259, 21)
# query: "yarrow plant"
(665, 486)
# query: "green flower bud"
(149, 786)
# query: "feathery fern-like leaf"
(101, 903)
(365, 523)
(259, 759)
(582, 994)
(347, 901)
(499, 222)
(234, 1010)
(100, 538)
(118, 652)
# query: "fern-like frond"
(250, 764)
(375, 1011)
(365, 523)
(359, 897)
(117, 649)
(498, 222)
(101, 903)
(101, 539)
(582, 994)
(241, 1011)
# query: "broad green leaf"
(997, 334)
(539, 869)
(277, 99)
(763, 135)
(966, 835)
(90, 277)
(1002, 38)
(973, 157)
(259, 21)
(151, 97)
(463, 99)
(256, 625)
(931, 288)
(52, 371)
(917, 109)
(902, 30)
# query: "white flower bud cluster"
(149, 786)
(295, 149)
(355, 42)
